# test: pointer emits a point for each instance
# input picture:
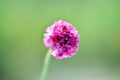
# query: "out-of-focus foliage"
(23, 23)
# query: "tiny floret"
(62, 38)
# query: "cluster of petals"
(62, 38)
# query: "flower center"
(66, 38)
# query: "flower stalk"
(45, 65)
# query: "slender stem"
(45, 65)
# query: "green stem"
(45, 65)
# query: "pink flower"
(62, 38)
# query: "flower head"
(62, 38)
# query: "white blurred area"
(85, 73)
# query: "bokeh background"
(23, 23)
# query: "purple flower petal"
(62, 38)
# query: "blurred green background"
(23, 23)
